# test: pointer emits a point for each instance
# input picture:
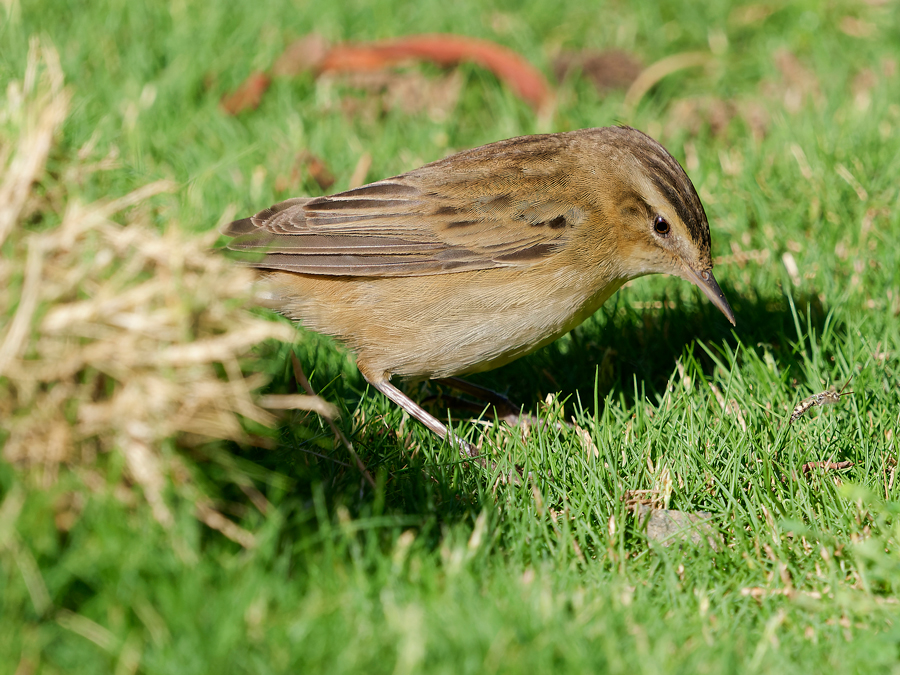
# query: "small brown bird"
(472, 261)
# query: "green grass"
(443, 567)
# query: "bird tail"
(244, 226)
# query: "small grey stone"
(675, 527)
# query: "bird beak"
(706, 282)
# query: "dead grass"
(114, 334)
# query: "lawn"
(154, 518)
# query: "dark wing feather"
(476, 210)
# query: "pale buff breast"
(442, 325)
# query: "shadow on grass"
(626, 351)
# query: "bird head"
(659, 223)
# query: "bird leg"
(467, 450)
(433, 423)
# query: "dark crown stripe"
(673, 183)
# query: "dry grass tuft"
(112, 336)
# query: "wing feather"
(466, 212)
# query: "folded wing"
(476, 210)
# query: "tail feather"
(244, 226)
(240, 227)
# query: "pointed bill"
(706, 282)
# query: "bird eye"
(661, 225)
